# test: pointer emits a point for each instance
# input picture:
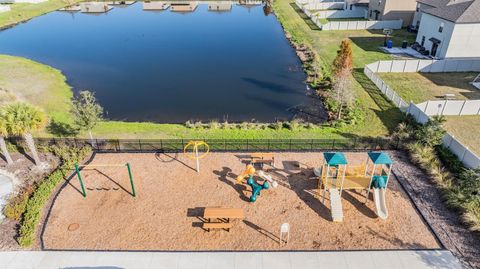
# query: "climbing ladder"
(336, 205)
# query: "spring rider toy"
(256, 188)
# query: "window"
(351, 7)
(440, 29)
(423, 41)
(418, 7)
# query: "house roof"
(457, 11)
(335, 158)
(380, 158)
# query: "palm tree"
(21, 120)
(3, 134)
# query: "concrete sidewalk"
(226, 260)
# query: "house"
(423, 5)
(183, 6)
(380, 10)
(451, 30)
(220, 6)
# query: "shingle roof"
(457, 11)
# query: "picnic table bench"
(222, 217)
(262, 158)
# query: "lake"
(221, 60)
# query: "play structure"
(249, 172)
(195, 147)
(256, 188)
(335, 176)
(79, 175)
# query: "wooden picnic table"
(223, 213)
(260, 157)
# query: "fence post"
(140, 144)
(463, 106)
(247, 144)
(290, 146)
(311, 144)
(333, 144)
(96, 144)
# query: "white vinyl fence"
(425, 66)
(464, 154)
(314, 10)
(422, 112)
(361, 25)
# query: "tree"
(22, 119)
(3, 134)
(342, 71)
(86, 111)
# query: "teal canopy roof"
(334, 158)
(380, 158)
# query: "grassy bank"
(21, 12)
(381, 115)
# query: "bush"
(16, 205)
(189, 124)
(277, 125)
(198, 125)
(294, 124)
(42, 193)
(225, 125)
(244, 125)
(214, 125)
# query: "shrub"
(213, 125)
(277, 125)
(244, 125)
(198, 125)
(189, 124)
(225, 125)
(42, 193)
(16, 205)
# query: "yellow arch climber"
(195, 154)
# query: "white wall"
(429, 27)
(356, 12)
(465, 41)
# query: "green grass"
(22, 11)
(466, 130)
(421, 87)
(381, 115)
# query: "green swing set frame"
(79, 175)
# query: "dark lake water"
(166, 66)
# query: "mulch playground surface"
(171, 196)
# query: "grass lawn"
(381, 116)
(420, 87)
(466, 130)
(22, 11)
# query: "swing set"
(79, 175)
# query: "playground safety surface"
(171, 195)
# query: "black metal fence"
(247, 145)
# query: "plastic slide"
(336, 205)
(380, 203)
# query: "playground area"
(170, 204)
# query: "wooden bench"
(449, 96)
(217, 225)
(222, 217)
(263, 158)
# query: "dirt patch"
(171, 197)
